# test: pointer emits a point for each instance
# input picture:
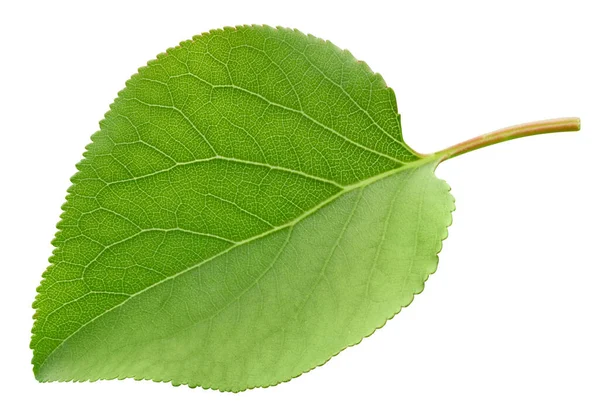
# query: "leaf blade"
(132, 219)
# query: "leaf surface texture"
(247, 210)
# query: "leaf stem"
(566, 124)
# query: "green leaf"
(247, 210)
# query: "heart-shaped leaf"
(247, 210)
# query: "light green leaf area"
(247, 210)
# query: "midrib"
(344, 190)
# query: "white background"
(510, 323)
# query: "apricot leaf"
(247, 210)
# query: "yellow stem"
(567, 124)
